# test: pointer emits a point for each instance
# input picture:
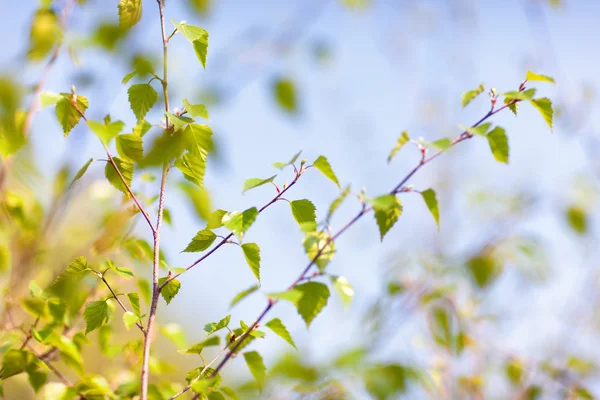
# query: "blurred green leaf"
(284, 92)
(282, 165)
(343, 288)
(126, 169)
(256, 366)
(578, 219)
(484, 269)
(386, 216)
(313, 243)
(517, 95)
(198, 347)
(532, 76)
(256, 182)
(240, 222)
(213, 327)
(385, 381)
(134, 300)
(45, 33)
(544, 106)
(195, 110)
(402, 140)
(75, 268)
(469, 96)
(130, 12)
(174, 333)
(81, 171)
(430, 198)
(106, 131)
(243, 294)
(130, 147)
(499, 144)
(279, 328)
(337, 202)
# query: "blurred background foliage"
(500, 303)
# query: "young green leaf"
(49, 98)
(384, 203)
(121, 271)
(126, 168)
(106, 131)
(402, 140)
(282, 165)
(252, 255)
(577, 218)
(514, 107)
(242, 295)
(484, 269)
(198, 37)
(544, 106)
(130, 12)
(81, 171)
(343, 288)
(95, 314)
(387, 216)
(256, 182)
(37, 378)
(480, 130)
(134, 300)
(215, 219)
(337, 202)
(256, 366)
(175, 334)
(77, 266)
(170, 290)
(193, 167)
(202, 241)
(499, 144)
(128, 77)
(304, 213)
(469, 96)
(198, 347)
(284, 91)
(323, 165)
(532, 76)
(279, 328)
(142, 97)
(130, 319)
(442, 144)
(68, 110)
(517, 95)
(178, 121)
(217, 326)
(130, 147)
(314, 299)
(195, 110)
(14, 362)
(240, 222)
(430, 199)
(141, 128)
(319, 243)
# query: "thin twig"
(121, 304)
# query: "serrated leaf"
(193, 167)
(130, 147)
(431, 202)
(544, 106)
(304, 213)
(387, 217)
(198, 37)
(95, 314)
(532, 76)
(279, 328)
(202, 241)
(134, 300)
(315, 241)
(256, 182)
(141, 128)
(142, 97)
(170, 290)
(517, 95)
(402, 140)
(67, 112)
(343, 288)
(130, 319)
(337, 202)
(76, 267)
(282, 165)
(314, 299)
(106, 131)
(514, 107)
(323, 165)
(81, 172)
(126, 168)
(252, 255)
(213, 327)
(195, 110)
(469, 96)
(256, 366)
(130, 12)
(240, 222)
(198, 347)
(499, 144)
(242, 295)
(284, 92)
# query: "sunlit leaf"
(499, 144)
(517, 95)
(544, 106)
(45, 33)
(243, 294)
(304, 213)
(198, 347)
(126, 169)
(282, 165)
(319, 244)
(75, 268)
(68, 110)
(95, 314)
(532, 76)
(213, 327)
(201, 241)
(252, 255)
(430, 199)
(469, 96)
(314, 299)
(256, 182)
(142, 97)
(402, 140)
(256, 366)
(386, 216)
(279, 328)
(170, 290)
(240, 222)
(337, 202)
(323, 165)
(130, 147)
(130, 12)
(81, 171)
(195, 110)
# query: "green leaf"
(499, 144)
(49, 98)
(314, 299)
(578, 219)
(229, 392)
(95, 314)
(256, 182)
(514, 107)
(469, 96)
(304, 213)
(37, 378)
(198, 347)
(198, 37)
(480, 130)
(170, 290)
(517, 95)
(402, 140)
(386, 381)
(121, 271)
(430, 199)
(130, 147)
(544, 106)
(128, 77)
(14, 362)
(142, 97)
(343, 288)
(252, 255)
(322, 165)
(141, 128)
(532, 76)
(195, 110)
(67, 111)
(442, 144)
(106, 131)
(200, 202)
(215, 219)
(279, 328)
(384, 203)
(130, 12)
(292, 295)
(130, 319)
(240, 222)
(44, 35)
(193, 167)
(337, 202)
(77, 266)
(284, 91)
(314, 242)
(282, 165)
(178, 121)
(241, 295)
(213, 327)
(126, 168)
(256, 366)
(81, 171)
(134, 300)
(484, 269)
(174, 333)
(387, 216)
(202, 241)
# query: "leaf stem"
(121, 303)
